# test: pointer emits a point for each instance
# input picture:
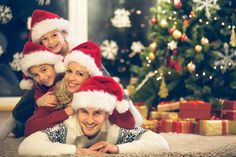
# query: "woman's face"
(75, 75)
(54, 41)
(44, 74)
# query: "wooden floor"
(4, 116)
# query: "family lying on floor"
(72, 105)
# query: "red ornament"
(178, 5)
(186, 22)
(172, 30)
(183, 37)
(153, 20)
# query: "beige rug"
(185, 145)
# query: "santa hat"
(43, 22)
(87, 54)
(102, 92)
(34, 54)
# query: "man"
(90, 131)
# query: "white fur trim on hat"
(95, 99)
(84, 60)
(45, 26)
(59, 67)
(122, 106)
(38, 58)
(26, 84)
(136, 114)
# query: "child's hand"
(48, 99)
(69, 110)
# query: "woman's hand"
(105, 147)
(48, 99)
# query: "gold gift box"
(213, 127)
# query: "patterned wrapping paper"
(195, 109)
(229, 114)
(168, 106)
(166, 125)
(232, 126)
(213, 127)
(183, 127)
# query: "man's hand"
(86, 151)
(48, 99)
(69, 110)
(105, 147)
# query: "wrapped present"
(183, 126)
(232, 126)
(229, 104)
(151, 125)
(168, 106)
(163, 115)
(213, 127)
(195, 109)
(229, 114)
(142, 108)
(166, 125)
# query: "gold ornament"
(153, 46)
(163, 92)
(132, 85)
(198, 48)
(191, 67)
(176, 34)
(164, 24)
(204, 41)
(233, 38)
(151, 56)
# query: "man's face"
(91, 120)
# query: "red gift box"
(229, 104)
(183, 127)
(229, 114)
(195, 109)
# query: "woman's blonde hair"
(62, 94)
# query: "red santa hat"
(102, 92)
(34, 54)
(43, 22)
(87, 54)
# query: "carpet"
(181, 145)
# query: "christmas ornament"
(176, 34)
(198, 48)
(204, 41)
(210, 6)
(163, 92)
(136, 47)
(151, 56)
(5, 14)
(172, 29)
(153, 46)
(225, 58)
(43, 2)
(121, 18)
(183, 37)
(109, 49)
(164, 24)
(178, 4)
(15, 64)
(233, 38)
(192, 14)
(186, 22)
(191, 67)
(1, 51)
(153, 20)
(132, 85)
(172, 45)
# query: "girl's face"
(75, 75)
(44, 74)
(54, 41)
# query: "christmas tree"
(191, 54)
